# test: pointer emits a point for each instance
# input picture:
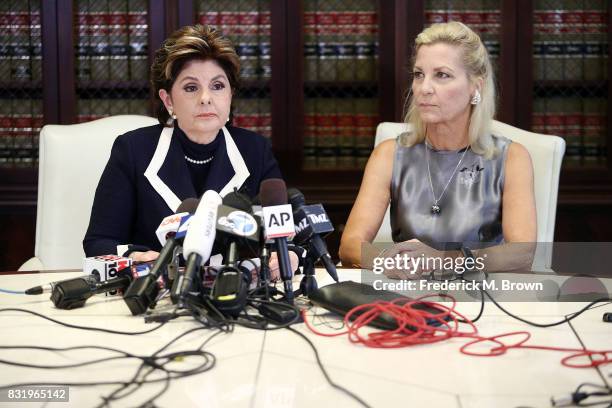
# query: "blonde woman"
(449, 181)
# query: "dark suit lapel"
(167, 171)
(221, 170)
(239, 171)
(174, 172)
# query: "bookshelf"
(565, 89)
(110, 58)
(21, 99)
(318, 75)
(248, 24)
(570, 44)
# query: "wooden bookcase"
(286, 89)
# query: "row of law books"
(20, 125)
(250, 113)
(89, 109)
(20, 62)
(254, 114)
(580, 121)
(340, 40)
(482, 16)
(20, 46)
(111, 41)
(339, 132)
(557, 60)
(570, 40)
(248, 24)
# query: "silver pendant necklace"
(435, 208)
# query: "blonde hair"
(197, 42)
(478, 65)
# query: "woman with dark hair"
(151, 170)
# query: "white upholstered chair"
(546, 155)
(72, 158)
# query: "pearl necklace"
(190, 160)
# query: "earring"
(171, 113)
(476, 98)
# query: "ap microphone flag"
(278, 221)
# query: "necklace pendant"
(435, 209)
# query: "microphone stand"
(264, 269)
(308, 284)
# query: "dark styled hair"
(197, 42)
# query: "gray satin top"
(471, 207)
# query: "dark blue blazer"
(128, 208)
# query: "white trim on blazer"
(240, 169)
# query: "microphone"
(235, 225)
(236, 222)
(170, 224)
(167, 252)
(105, 267)
(199, 241)
(278, 219)
(143, 291)
(48, 287)
(312, 223)
(73, 293)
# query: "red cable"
(414, 327)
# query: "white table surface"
(278, 368)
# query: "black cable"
(584, 347)
(115, 395)
(63, 349)
(149, 402)
(323, 321)
(209, 316)
(155, 362)
(255, 267)
(147, 361)
(325, 374)
(480, 289)
(74, 326)
(565, 320)
(482, 305)
(583, 395)
(275, 326)
(200, 312)
(601, 387)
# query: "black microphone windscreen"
(238, 201)
(71, 294)
(296, 198)
(273, 192)
(188, 205)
